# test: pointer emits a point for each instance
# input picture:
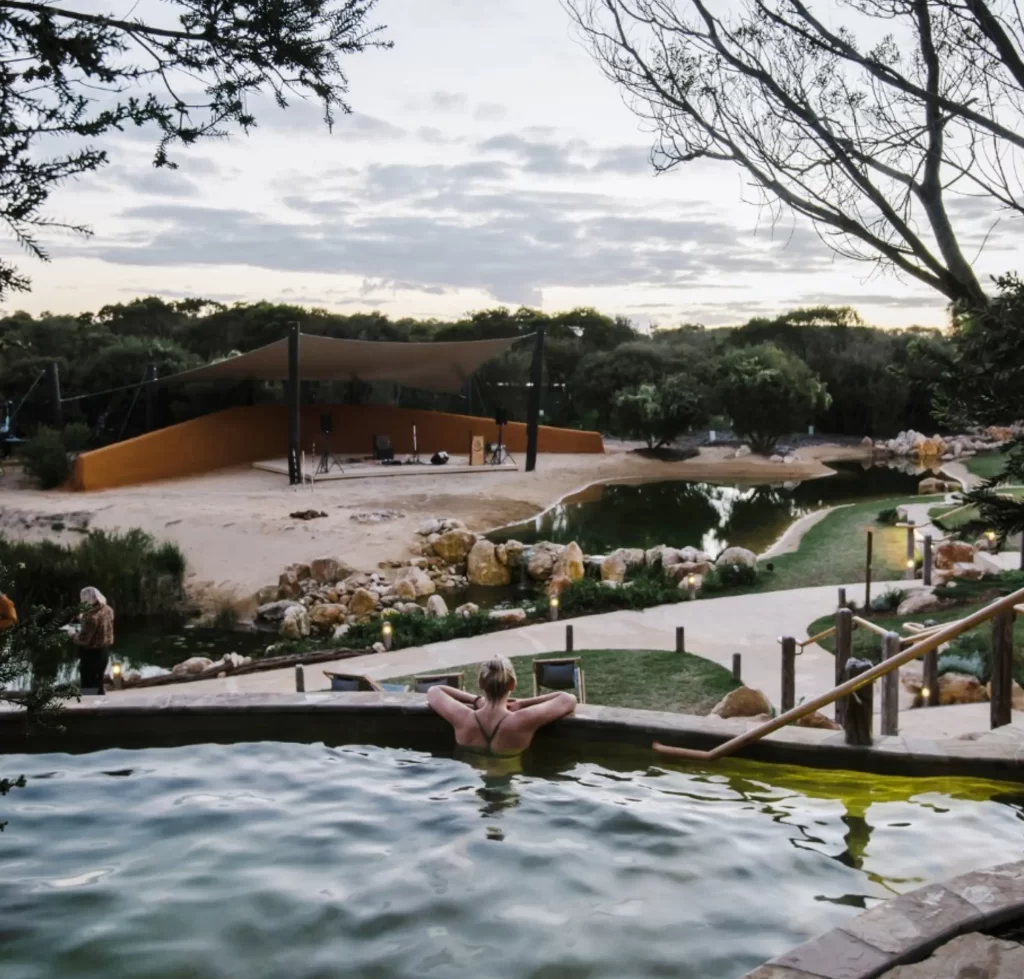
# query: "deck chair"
(560, 674)
(353, 682)
(421, 684)
(383, 450)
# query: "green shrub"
(888, 601)
(970, 663)
(46, 459)
(726, 576)
(589, 596)
(414, 629)
(890, 515)
(77, 437)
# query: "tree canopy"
(68, 77)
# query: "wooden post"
(926, 568)
(680, 639)
(300, 679)
(842, 598)
(1002, 668)
(737, 667)
(860, 708)
(56, 406)
(294, 408)
(568, 639)
(1022, 552)
(150, 397)
(867, 575)
(788, 673)
(930, 678)
(844, 652)
(890, 687)
(533, 400)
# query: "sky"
(488, 162)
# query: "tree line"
(820, 366)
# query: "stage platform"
(374, 470)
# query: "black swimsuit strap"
(488, 737)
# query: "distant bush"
(888, 601)
(726, 576)
(414, 629)
(890, 515)
(48, 457)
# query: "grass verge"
(987, 465)
(643, 679)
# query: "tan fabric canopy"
(431, 366)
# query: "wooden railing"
(1001, 612)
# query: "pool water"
(710, 516)
(307, 861)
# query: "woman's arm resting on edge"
(533, 701)
(553, 707)
(449, 702)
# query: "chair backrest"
(560, 674)
(352, 682)
(421, 684)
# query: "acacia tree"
(869, 139)
(68, 76)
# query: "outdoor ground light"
(990, 535)
(553, 608)
(691, 584)
(116, 674)
(386, 632)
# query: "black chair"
(421, 684)
(560, 674)
(352, 682)
(383, 451)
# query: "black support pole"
(533, 402)
(294, 407)
(150, 397)
(55, 402)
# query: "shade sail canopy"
(431, 366)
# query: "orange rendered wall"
(248, 434)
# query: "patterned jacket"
(97, 630)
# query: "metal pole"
(294, 407)
(568, 639)
(737, 667)
(1002, 668)
(150, 396)
(57, 408)
(867, 573)
(842, 598)
(891, 687)
(680, 639)
(844, 652)
(926, 568)
(533, 401)
(300, 679)
(788, 673)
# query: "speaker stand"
(328, 461)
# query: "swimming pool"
(308, 861)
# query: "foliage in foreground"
(48, 457)
(137, 575)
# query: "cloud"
(441, 101)
(158, 181)
(909, 300)
(489, 112)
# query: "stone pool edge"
(98, 722)
(906, 929)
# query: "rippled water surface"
(301, 861)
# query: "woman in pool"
(492, 723)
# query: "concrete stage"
(360, 469)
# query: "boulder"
(454, 546)
(819, 720)
(410, 608)
(509, 616)
(958, 688)
(693, 555)
(540, 564)
(743, 450)
(275, 611)
(295, 624)
(419, 579)
(969, 571)
(354, 582)
(686, 568)
(483, 567)
(790, 458)
(931, 486)
(437, 607)
(570, 563)
(557, 584)
(613, 568)
(867, 443)
(953, 552)
(634, 556)
(363, 602)
(742, 702)
(289, 585)
(776, 458)
(325, 569)
(500, 554)
(340, 631)
(325, 617)
(468, 609)
(737, 555)
(232, 661)
(404, 590)
(514, 553)
(918, 601)
(191, 666)
(428, 527)
(267, 595)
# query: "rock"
(931, 486)
(972, 956)
(685, 568)
(557, 584)
(790, 458)
(867, 443)
(613, 568)
(514, 553)
(918, 601)
(776, 458)
(693, 555)
(968, 571)
(419, 579)
(540, 565)
(295, 624)
(363, 602)
(819, 720)
(500, 554)
(742, 702)
(570, 563)
(234, 660)
(437, 607)
(404, 590)
(958, 688)
(634, 556)
(953, 552)
(325, 569)
(379, 647)
(341, 631)
(743, 450)
(467, 610)
(428, 527)
(191, 666)
(289, 585)
(274, 611)
(267, 595)
(509, 616)
(737, 555)
(454, 546)
(326, 616)
(376, 516)
(483, 567)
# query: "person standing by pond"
(95, 637)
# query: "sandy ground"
(235, 529)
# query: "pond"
(267, 860)
(711, 516)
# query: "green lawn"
(647, 679)
(986, 465)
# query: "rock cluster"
(200, 664)
(938, 447)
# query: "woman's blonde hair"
(92, 596)
(496, 677)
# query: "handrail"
(857, 620)
(824, 634)
(926, 645)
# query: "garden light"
(553, 608)
(691, 584)
(926, 694)
(116, 675)
(386, 631)
(991, 535)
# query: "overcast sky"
(488, 162)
